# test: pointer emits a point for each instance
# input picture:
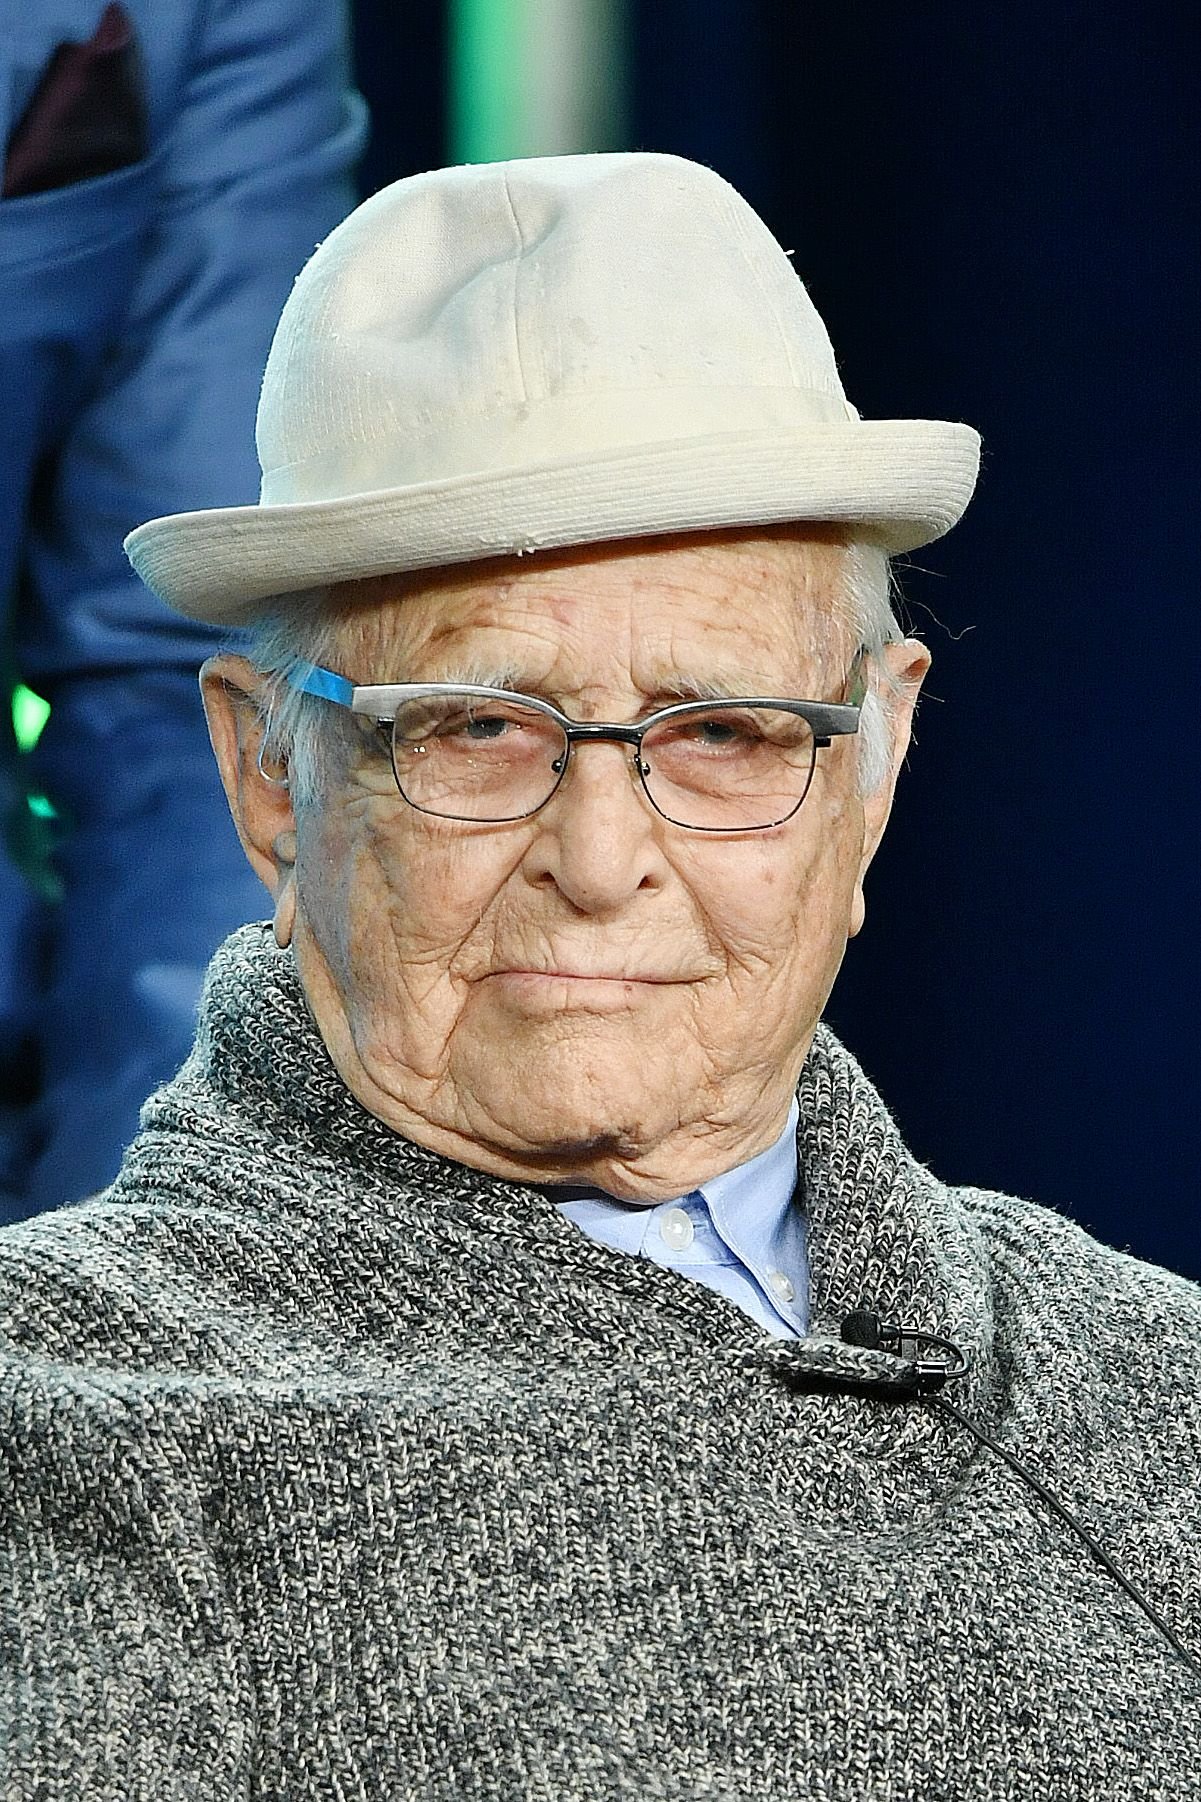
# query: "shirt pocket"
(69, 262)
(69, 257)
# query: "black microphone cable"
(936, 1361)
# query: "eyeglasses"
(489, 756)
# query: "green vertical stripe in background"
(536, 78)
(487, 121)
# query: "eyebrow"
(473, 671)
(676, 686)
(713, 688)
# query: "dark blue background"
(995, 209)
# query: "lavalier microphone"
(935, 1360)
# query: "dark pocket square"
(87, 115)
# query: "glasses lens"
(472, 757)
(732, 768)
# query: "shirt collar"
(763, 1186)
(752, 1198)
(751, 1213)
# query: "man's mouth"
(568, 974)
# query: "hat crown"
(476, 317)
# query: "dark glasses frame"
(380, 702)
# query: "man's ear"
(257, 789)
(897, 684)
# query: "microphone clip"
(934, 1360)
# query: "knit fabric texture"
(334, 1469)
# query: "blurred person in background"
(167, 171)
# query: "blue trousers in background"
(98, 990)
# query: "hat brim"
(901, 483)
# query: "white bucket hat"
(514, 356)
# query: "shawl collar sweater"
(333, 1469)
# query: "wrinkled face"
(592, 992)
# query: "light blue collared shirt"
(738, 1233)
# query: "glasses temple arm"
(311, 679)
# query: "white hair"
(297, 631)
(301, 629)
(869, 589)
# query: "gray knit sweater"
(333, 1469)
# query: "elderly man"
(519, 1358)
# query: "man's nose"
(598, 841)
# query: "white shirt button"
(782, 1287)
(676, 1230)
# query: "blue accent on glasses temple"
(323, 682)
